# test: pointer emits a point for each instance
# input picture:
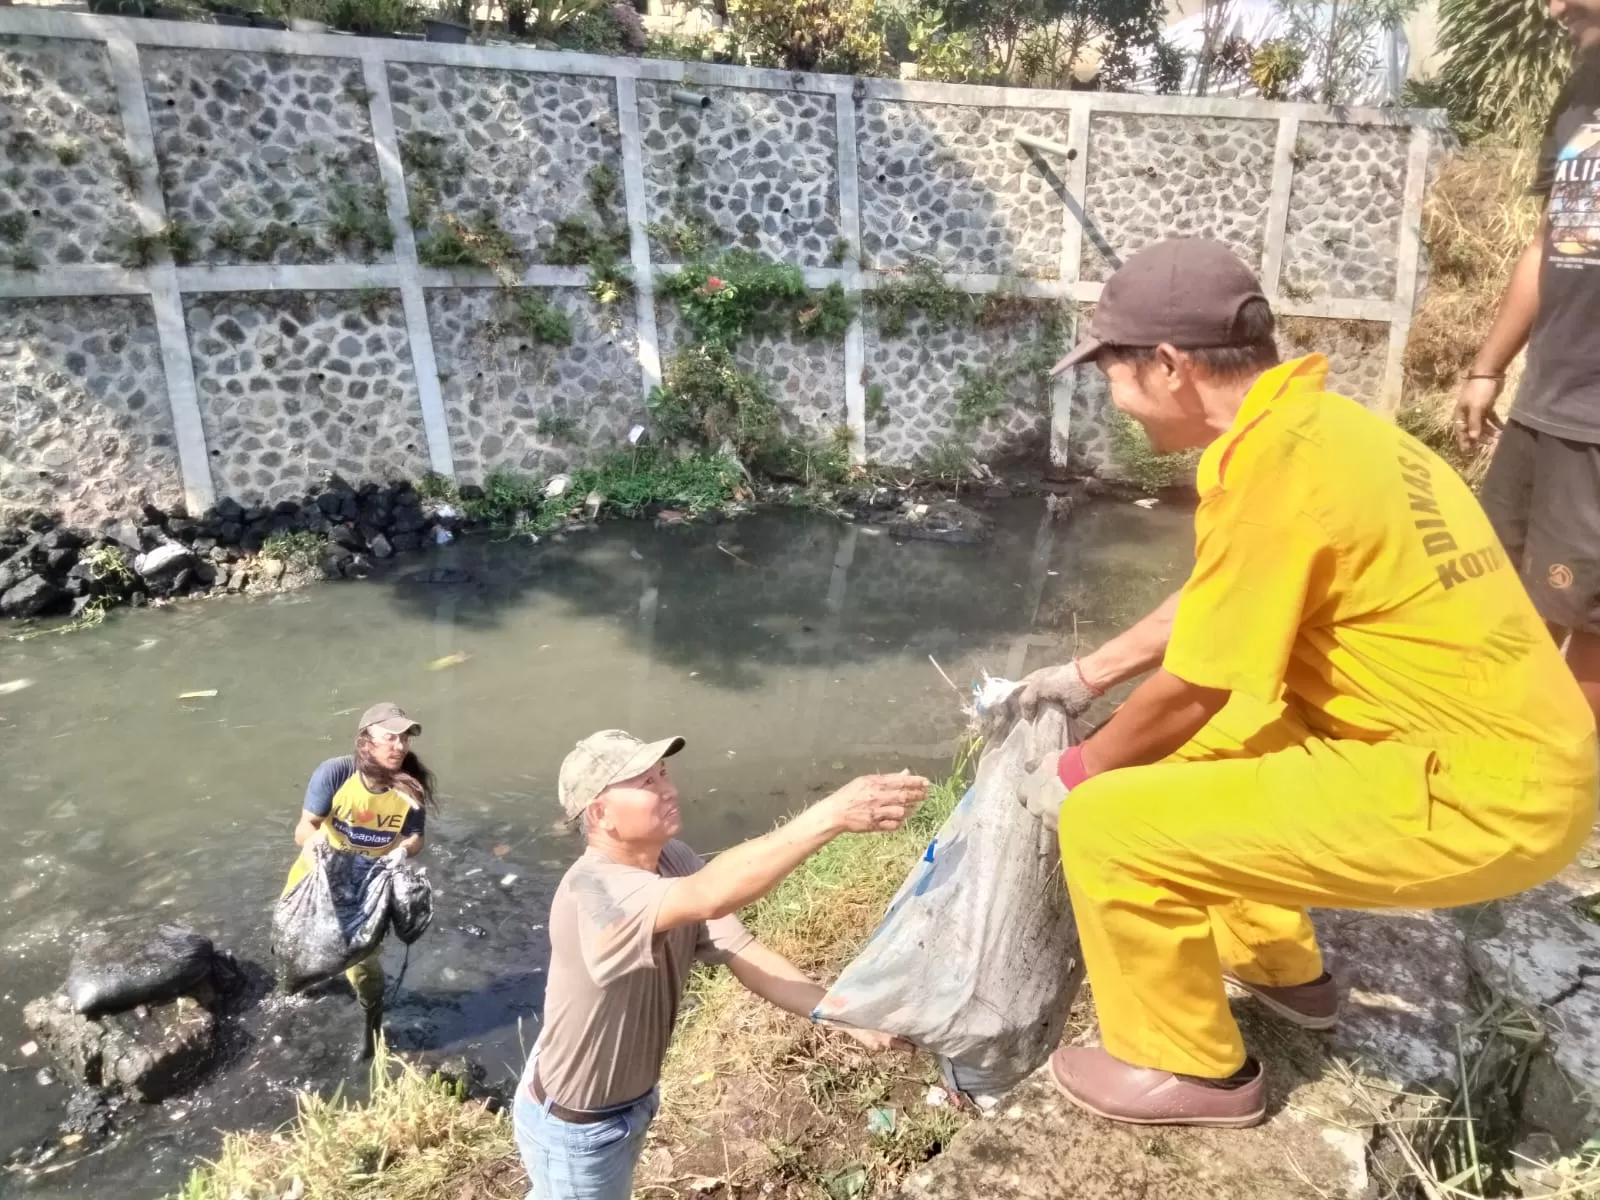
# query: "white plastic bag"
(977, 958)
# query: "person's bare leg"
(1583, 657)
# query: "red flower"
(714, 284)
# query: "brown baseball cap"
(388, 717)
(1184, 292)
(604, 758)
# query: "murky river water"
(791, 651)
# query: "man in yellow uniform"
(1356, 704)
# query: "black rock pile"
(47, 569)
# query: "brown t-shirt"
(615, 984)
(1560, 392)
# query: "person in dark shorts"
(1542, 491)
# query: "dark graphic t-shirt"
(1560, 391)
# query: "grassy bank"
(749, 1094)
(1477, 220)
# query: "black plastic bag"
(112, 972)
(339, 912)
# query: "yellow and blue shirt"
(355, 820)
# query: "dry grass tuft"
(1477, 220)
(414, 1139)
(1460, 1148)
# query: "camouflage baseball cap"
(601, 759)
(391, 718)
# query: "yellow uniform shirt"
(1343, 567)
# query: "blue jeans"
(580, 1162)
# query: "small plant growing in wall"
(533, 316)
(69, 153)
(24, 258)
(601, 245)
(877, 405)
(685, 240)
(921, 291)
(481, 244)
(13, 227)
(140, 247)
(129, 170)
(557, 428)
(830, 316)
(839, 251)
(979, 396)
(1138, 459)
(358, 221)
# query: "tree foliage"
(841, 36)
(1507, 60)
(1041, 43)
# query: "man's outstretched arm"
(746, 872)
(779, 982)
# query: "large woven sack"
(976, 959)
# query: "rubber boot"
(371, 1030)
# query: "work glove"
(396, 857)
(1042, 792)
(1063, 686)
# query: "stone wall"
(215, 248)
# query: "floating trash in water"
(508, 881)
(202, 694)
(449, 660)
(442, 536)
(28, 1049)
(14, 685)
(1147, 502)
(501, 849)
(147, 643)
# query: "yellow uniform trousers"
(1207, 861)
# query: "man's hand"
(877, 1042)
(875, 803)
(1064, 686)
(1475, 417)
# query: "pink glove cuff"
(1070, 770)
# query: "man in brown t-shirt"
(627, 922)
(1542, 492)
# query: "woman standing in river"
(373, 802)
